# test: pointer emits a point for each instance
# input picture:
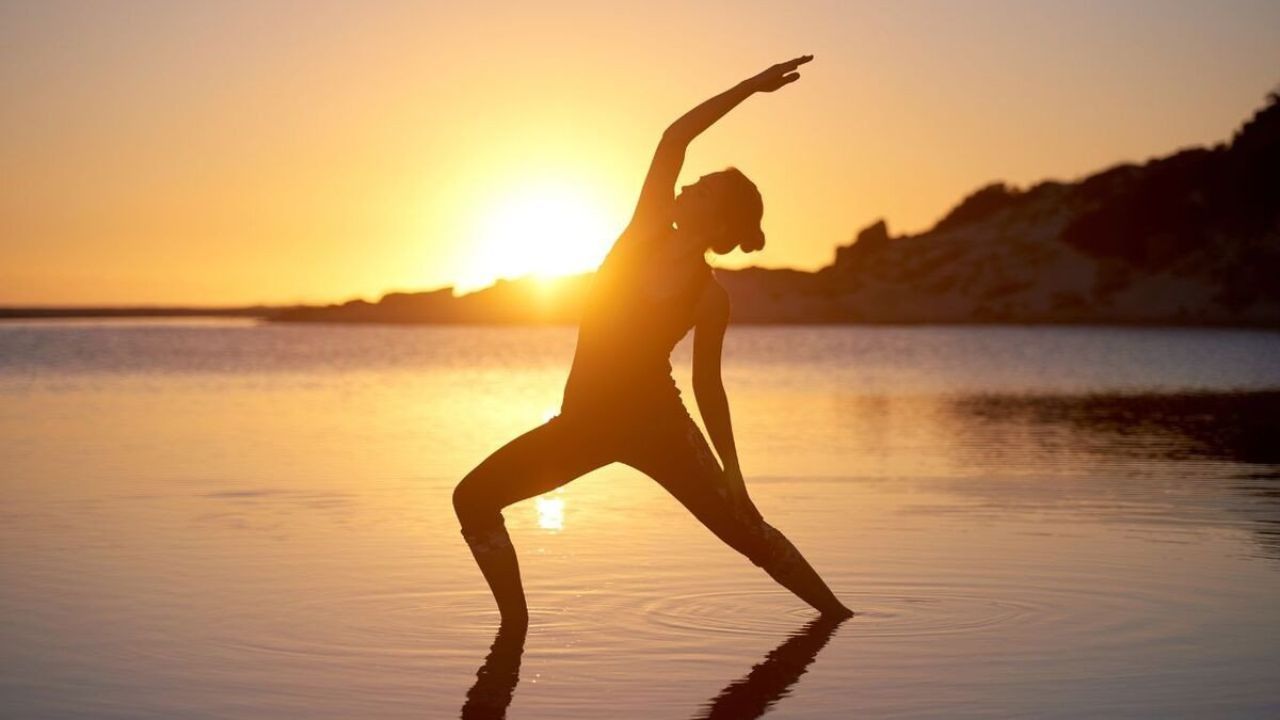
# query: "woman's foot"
(497, 561)
(515, 619)
(836, 612)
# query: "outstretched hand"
(778, 75)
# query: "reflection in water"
(550, 511)
(497, 678)
(1174, 426)
(768, 682)
(748, 697)
(1237, 427)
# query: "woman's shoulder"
(648, 228)
(660, 214)
(638, 245)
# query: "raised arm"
(658, 191)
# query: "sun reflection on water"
(550, 512)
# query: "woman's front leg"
(537, 462)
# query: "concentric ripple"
(891, 612)
(920, 611)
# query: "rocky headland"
(1191, 238)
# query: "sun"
(543, 228)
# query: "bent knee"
(471, 506)
(461, 499)
(475, 505)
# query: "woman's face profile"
(699, 210)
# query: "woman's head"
(723, 209)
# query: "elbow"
(677, 134)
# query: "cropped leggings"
(666, 445)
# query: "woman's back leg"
(536, 462)
(678, 457)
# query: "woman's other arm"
(708, 387)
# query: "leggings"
(666, 445)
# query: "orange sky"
(244, 152)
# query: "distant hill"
(151, 311)
(1192, 238)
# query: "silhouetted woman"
(620, 402)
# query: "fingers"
(794, 63)
(780, 74)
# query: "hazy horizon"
(251, 153)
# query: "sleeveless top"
(622, 360)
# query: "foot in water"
(839, 612)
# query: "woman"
(620, 402)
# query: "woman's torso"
(642, 301)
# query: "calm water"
(223, 520)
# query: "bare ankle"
(515, 618)
(837, 611)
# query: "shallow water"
(216, 519)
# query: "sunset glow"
(541, 228)
(270, 152)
